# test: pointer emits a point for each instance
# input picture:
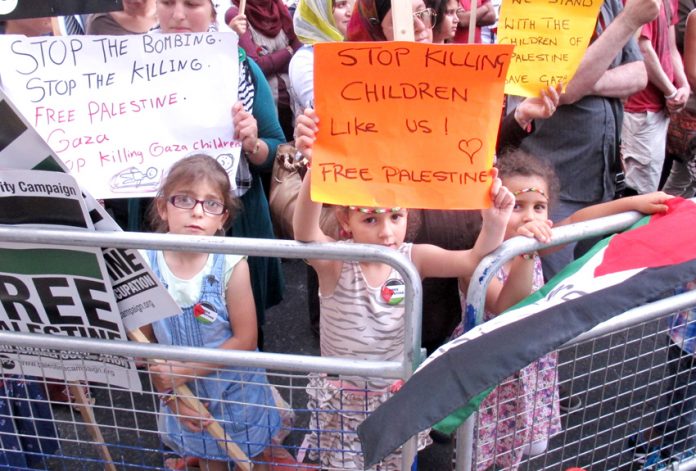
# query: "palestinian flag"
(621, 272)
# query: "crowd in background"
(624, 125)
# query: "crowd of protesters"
(625, 124)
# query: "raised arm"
(433, 261)
(593, 76)
(495, 219)
(305, 221)
(649, 203)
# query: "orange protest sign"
(406, 124)
(550, 38)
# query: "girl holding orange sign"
(362, 306)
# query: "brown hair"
(516, 162)
(189, 171)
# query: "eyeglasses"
(426, 16)
(213, 207)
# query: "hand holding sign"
(541, 107)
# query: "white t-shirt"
(188, 292)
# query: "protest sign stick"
(242, 6)
(77, 390)
(215, 429)
(55, 26)
(472, 22)
(402, 19)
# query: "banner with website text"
(120, 110)
(407, 124)
(56, 290)
(550, 39)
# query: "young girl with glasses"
(214, 292)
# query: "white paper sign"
(120, 110)
(140, 303)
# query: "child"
(362, 310)
(215, 295)
(522, 413)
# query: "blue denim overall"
(246, 410)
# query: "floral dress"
(522, 409)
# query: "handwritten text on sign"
(405, 124)
(120, 110)
(550, 38)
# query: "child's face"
(529, 205)
(193, 221)
(387, 229)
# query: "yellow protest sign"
(550, 38)
(406, 124)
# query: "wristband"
(676, 90)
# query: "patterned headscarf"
(366, 22)
(314, 22)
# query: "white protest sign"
(22, 148)
(120, 110)
(59, 290)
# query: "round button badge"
(393, 291)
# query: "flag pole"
(77, 391)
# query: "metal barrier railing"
(491, 264)
(392, 370)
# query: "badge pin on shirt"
(393, 291)
(204, 313)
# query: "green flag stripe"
(49, 164)
(49, 262)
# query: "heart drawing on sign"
(470, 147)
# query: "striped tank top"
(362, 321)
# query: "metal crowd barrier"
(615, 369)
(127, 420)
